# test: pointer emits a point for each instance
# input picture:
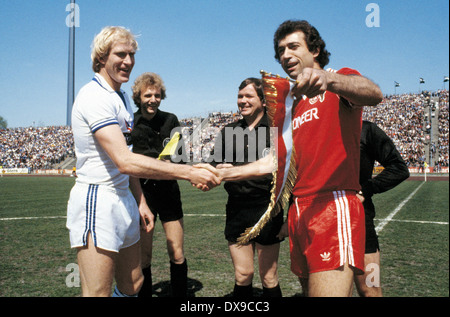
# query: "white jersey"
(97, 105)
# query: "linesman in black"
(376, 146)
(152, 130)
(240, 143)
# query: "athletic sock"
(146, 289)
(118, 293)
(243, 291)
(272, 292)
(178, 279)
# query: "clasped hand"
(211, 175)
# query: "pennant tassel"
(279, 112)
(274, 208)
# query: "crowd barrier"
(415, 170)
(27, 171)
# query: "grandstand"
(30, 149)
(418, 127)
(418, 124)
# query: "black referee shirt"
(377, 146)
(243, 152)
(150, 136)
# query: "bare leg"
(128, 274)
(242, 257)
(368, 284)
(96, 270)
(335, 283)
(268, 264)
(175, 240)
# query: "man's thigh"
(96, 269)
(128, 271)
(368, 284)
(334, 283)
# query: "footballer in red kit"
(326, 132)
(325, 225)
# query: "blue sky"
(203, 49)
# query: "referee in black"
(376, 146)
(152, 130)
(248, 200)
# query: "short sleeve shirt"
(326, 134)
(96, 106)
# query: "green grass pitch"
(36, 259)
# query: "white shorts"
(111, 216)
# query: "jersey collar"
(103, 83)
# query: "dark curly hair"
(312, 38)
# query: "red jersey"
(326, 135)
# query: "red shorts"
(325, 232)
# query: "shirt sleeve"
(384, 151)
(98, 113)
(348, 71)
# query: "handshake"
(205, 176)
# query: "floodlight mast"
(71, 69)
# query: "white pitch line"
(32, 218)
(219, 215)
(421, 221)
(386, 220)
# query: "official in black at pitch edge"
(375, 145)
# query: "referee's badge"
(165, 142)
(169, 146)
(265, 152)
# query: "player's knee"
(244, 276)
(269, 279)
(138, 284)
(366, 291)
(176, 254)
(133, 286)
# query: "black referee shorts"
(164, 199)
(245, 213)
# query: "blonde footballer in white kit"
(103, 216)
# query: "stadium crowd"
(400, 116)
(35, 147)
(200, 135)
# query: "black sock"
(243, 291)
(272, 292)
(178, 279)
(146, 289)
